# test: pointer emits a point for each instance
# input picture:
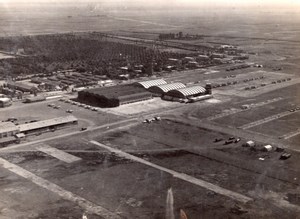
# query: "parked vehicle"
(237, 140)
(157, 118)
(218, 139)
(228, 142)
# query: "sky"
(165, 3)
(268, 4)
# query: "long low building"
(46, 125)
(113, 96)
(21, 87)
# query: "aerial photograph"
(140, 109)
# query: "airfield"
(121, 167)
(180, 153)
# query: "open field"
(129, 194)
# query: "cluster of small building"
(123, 94)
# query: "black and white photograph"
(149, 109)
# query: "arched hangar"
(187, 92)
(150, 83)
(161, 90)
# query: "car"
(35, 120)
(73, 103)
(218, 139)
(157, 118)
(292, 110)
(228, 142)
(86, 107)
(94, 109)
(285, 156)
(69, 111)
(237, 140)
(231, 138)
(83, 128)
(50, 104)
(56, 107)
(11, 119)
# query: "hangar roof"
(151, 83)
(116, 91)
(168, 87)
(188, 91)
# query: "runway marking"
(291, 134)
(204, 184)
(87, 205)
(61, 155)
(267, 119)
(251, 106)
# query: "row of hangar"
(123, 94)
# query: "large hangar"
(161, 90)
(113, 96)
(187, 92)
(151, 83)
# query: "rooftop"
(151, 83)
(7, 127)
(46, 123)
(116, 91)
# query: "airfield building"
(47, 125)
(8, 129)
(151, 83)
(187, 92)
(161, 90)
(34, 99)
(22, 87)
(113, 96)
(5, 102)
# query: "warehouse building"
(34, 99)
(161, 90)
(47, 125)
(151, 83)
(21, 87)
(113, 96)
